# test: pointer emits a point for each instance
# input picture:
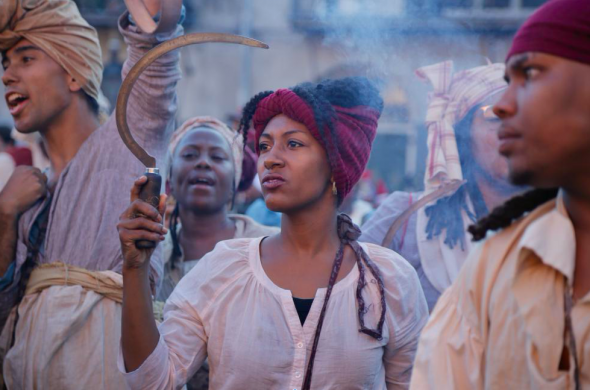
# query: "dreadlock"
(322, 97)
(503, 215)
(248, 169)
(248, 113)
(176, 250)
(249, 163)
(445, 214)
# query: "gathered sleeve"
(151, 111)
(184, 333)
(153, 101)
(451, 348)
(409, 318)
(406, 315)
(180, 352)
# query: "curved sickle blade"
(145, 61)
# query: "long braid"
(503, 215)
(378, 332)
(248, 112)
(318, 330)
(176, 250)
(348, 233)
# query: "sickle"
(144, 62)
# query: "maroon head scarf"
(560, 28)
(355, 129)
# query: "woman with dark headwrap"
(205, 160)
(309, 307)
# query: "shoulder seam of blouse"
(239, 274)
(184, 300)
(224, 286)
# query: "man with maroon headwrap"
(518, 315)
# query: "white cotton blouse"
(228, 310)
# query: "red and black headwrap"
(346, 136)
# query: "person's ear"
(73, 85)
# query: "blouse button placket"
(299, 341)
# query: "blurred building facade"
(385, 40)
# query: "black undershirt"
(302, 306)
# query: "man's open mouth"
(16, 102)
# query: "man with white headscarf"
(60, 258)
(432, 225)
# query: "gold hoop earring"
(334, 189)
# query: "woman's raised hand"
(140, 221)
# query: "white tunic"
(227, 309)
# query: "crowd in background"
(274, 257)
